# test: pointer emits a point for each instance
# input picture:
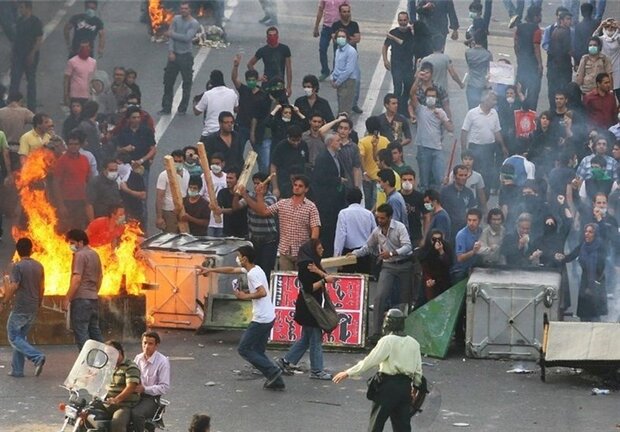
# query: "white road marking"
(164, 122)
(377, 79)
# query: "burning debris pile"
(121, 267)
(160, 18)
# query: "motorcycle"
(85, 411)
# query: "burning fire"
(160, 16)
(120, 265)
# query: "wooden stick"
(338, 261)
(175, 189)
(268, 179)
(244, 177)
(204, 163)
(447, 177)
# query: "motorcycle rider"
(122, 396)
(155, 379)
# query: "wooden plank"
(175, 189)
(338, 261)
(250, 161)
(206, 168)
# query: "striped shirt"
(296, 223)
(259, 226)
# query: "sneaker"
(284, 366)
(271, 22)
(321, 375)
(264, 19)
(277, 386)
(273, 379)
(163, 112)
(14, 375)
(38, 367)
(323, 76)
(357, 109)
(514, 21)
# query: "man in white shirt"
(219, 98)
(164, 206)
(254, 341)
(480, 133)
(218, 176)
(354, 226)
(154, 379)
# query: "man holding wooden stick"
(169, 203)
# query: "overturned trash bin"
(505, 311)
(177, 296)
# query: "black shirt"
(399, 123)
(133, 205)
(252, 105)
(456, 203)
(232, 155)
(236, 223)
(274, 59)
(102, 193)
(200, 210)
(142, 139)
(321, 106)
(414, 203)
(85, 28)
(402, 55)
(286, 157)
(27, 30)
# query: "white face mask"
(341, 41)
(216, 169)
(610, 33)
(238, 261)
(112, 175)
(510, 100)
(428, 206)
(308, 91)
(407, 186)
(431, 101)
(286, 119)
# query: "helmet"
(394, 322)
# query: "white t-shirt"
(263, 310)
(162, 184)
(481, 127)
(219, 183)
(213, 102)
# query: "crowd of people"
(533, 189)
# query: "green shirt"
(125, 373)
(3, 142)
(394, 355)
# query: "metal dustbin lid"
(198, 244)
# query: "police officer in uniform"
(400, 364)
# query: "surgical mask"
(286, 119)
(603, 210)
(407, 186)
(121, 220)
(190, 163)
(251, 84)
(192, 193)
(472, 15)
(238, 261)
(593, 50)
(510, 100)
(431, 101)
(402, 28)
(112, 175)
(428, 206)
(341, 41)
(216, 169)
(308, 91)
(610, 33)
(90, 12)
(73, 248)
(178, 166)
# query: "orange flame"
(160, 16)
(51, 249)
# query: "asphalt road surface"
(474, 392)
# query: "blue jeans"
(264, 153)
(411, 10)
(310, 337)
(358, 85)
(402, 78)
(432, 167)
(370, 193)
(474, 95)
(599, 10)
(20, 68)
(252, 348)
(85, 321)
(215, 232)
(324, 41)
(17, 328)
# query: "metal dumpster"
(505, 311)
(180, 294)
